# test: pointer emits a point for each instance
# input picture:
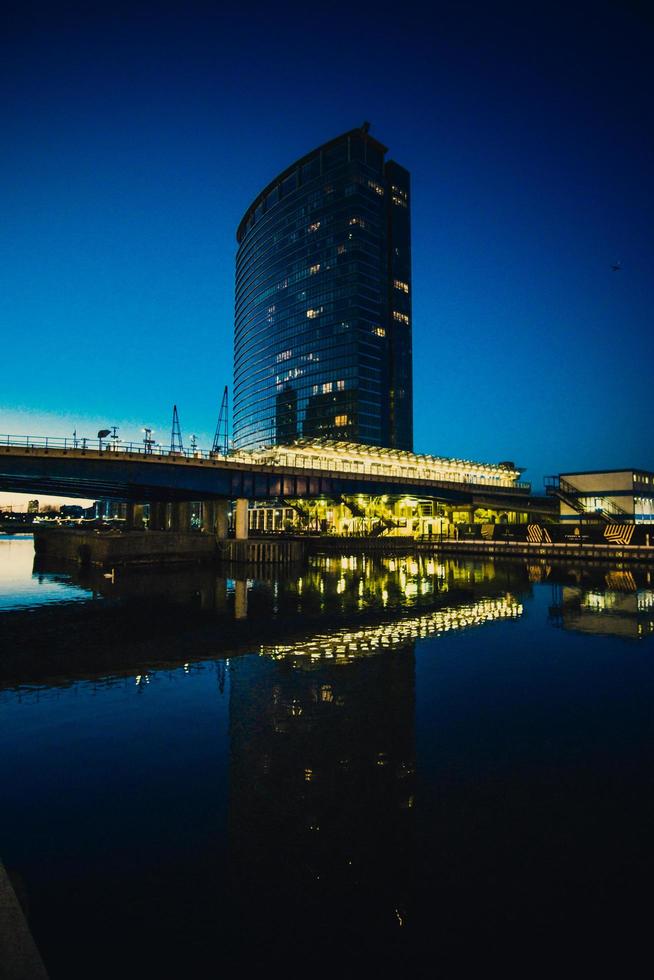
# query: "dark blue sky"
(135, 139)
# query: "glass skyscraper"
(322, 343)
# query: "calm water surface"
(359, 763)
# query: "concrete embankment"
(111, 549)
(19, 957)
(566, 551)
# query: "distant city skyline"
(134, 143)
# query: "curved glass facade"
(322, 343)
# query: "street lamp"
(102, 434)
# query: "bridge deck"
(130, 475)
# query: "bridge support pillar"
(158, 516)
(215, 517)
(241, 519)
(134, 516)
(180, 516)
(208, 516)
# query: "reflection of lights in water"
(645, 600)
(299, 586)
(340, 586)
(385, 597)
(595, 600)
(346, 644)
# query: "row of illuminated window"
(359, 276)
(279, 275)
(329, 304)
(367, 360)
(338, 315)
(257, 381)
(312, 408)
(289, 227)
(356, 279)
(258, 403)
(253, 398)
(289, 279)
(313, 198)
(314, 353)
(264, 417)
(293, 258)
(319, 336)
(294, 229)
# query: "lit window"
(341, 249)
(284, 355)
(340, 386)
(377, 188)
(399, 196)
(314, 268)
(314, 390)
(314, 312)
(313, 227)
(400, 317)
(403, 286)
(379, 331)
(341, 420)
(358, 221)
(327, 387)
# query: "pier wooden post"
(240, 599)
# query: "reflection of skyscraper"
(323, 300)
(321, 797)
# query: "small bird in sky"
(616, 267)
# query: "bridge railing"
(108, 445)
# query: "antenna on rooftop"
(176, 445)
(221, 438)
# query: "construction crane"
(221, 438)
(176, 445)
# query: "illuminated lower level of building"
(387, 514)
